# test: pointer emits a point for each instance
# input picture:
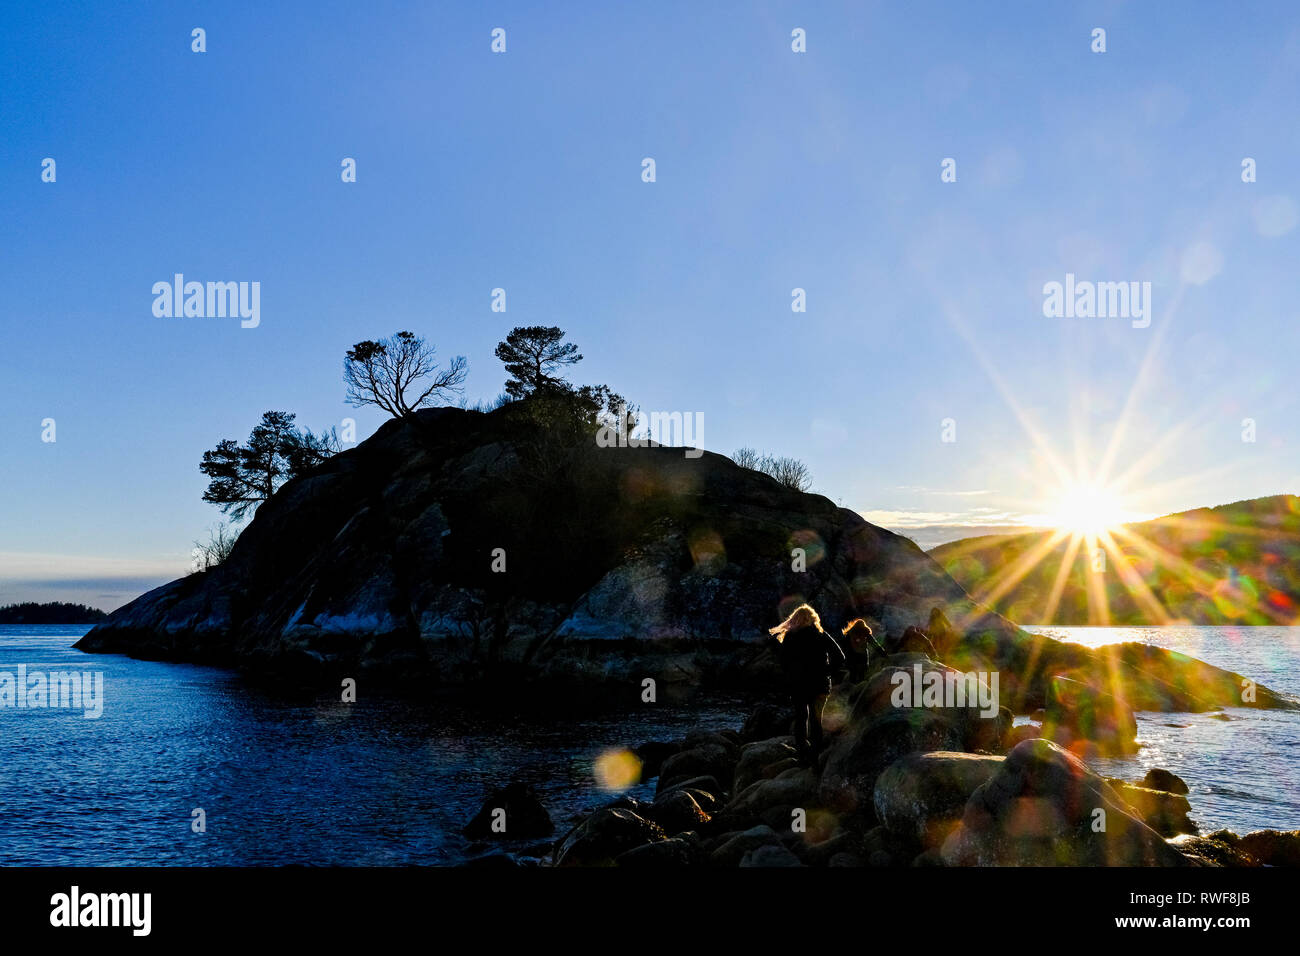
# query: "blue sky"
(775, 170)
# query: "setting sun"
(1088, 510)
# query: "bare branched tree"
(208, 554)
(790, 472)
(399, 375)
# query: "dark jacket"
(809, 657)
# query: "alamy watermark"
(1098, 300)
(67, 690)
(643, 429)
(946, 689)
(212, 300)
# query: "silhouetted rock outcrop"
(461, 543)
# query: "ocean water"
(386, 782)
(1242, 773)
(312, 782)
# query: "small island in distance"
(52, 612)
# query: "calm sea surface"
(378, 782)
(390, 782)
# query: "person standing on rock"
(809, 657)
(860, 646)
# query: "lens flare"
(616, 770)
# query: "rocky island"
(457, 546)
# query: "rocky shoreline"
(894, 786)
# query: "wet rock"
(1220, 848)
(677, 811)
(604, 836)
(525, 817)
(708, 793)
(1273, 847)
(1158, 779)
(1043, 807)
(673, 852)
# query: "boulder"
(1273, 847)
(1085, 720)
(756, 757)
(525, 816)
(1157, 779)
(677, 811)
(1043, 807)
(604, 836)
(883, 848)
(673, 852)
(1164, 812)
(652, 755)
(726, 739)
(885, 724)
(708, 793)
(767, 721)
(922, 796)
(1220, 848)
(1022, 732)
(773, 799)
(733, 846)
(813, 852)
(770, 854)
(705, 760)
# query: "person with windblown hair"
(809, 657)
